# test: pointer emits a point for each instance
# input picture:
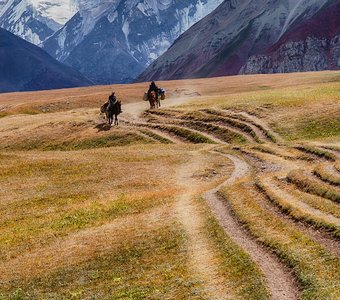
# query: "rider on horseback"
(113, 100)
(153, 88)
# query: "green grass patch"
(234, 120)
(310, 127)
(198, 116)
(62, 219)
(114, 140)
(123, 205)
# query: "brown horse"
(111, 109)
(153, 99)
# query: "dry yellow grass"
(92, 212)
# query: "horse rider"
(153, 88)
(113, 100)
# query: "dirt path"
(133, 111)
(279, 279)
(202, 260)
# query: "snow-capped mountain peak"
(35, 20)
(60, 11)
(114, 40)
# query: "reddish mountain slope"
(262, 36)
(311, 45)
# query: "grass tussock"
(224, 134)
(156, 137)
(337, 166)
(290, 205)
(316, 269)
(318, 152)
(186, 134)
(324, 174)
(226, 121)
(234, 120)
(313, 186)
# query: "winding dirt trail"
(279, 279)
(202, 260)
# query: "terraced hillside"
(229, 191)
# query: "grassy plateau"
(138, 211)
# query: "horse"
(112, 109)
(153, 99)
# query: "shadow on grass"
(103, 127)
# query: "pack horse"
(154, 95)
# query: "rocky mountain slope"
(115, 40)
(312, 45)
(264, 36)
(26, 67)
(35, 20)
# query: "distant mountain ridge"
(265, 36)
(113, 41)
(35, 20)
(26, 67)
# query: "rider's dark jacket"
(112, 98)
(153, 88)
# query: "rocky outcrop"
(313, 45)
(265, 36)
(313, 54)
